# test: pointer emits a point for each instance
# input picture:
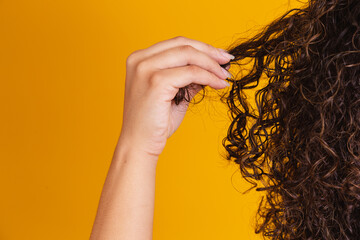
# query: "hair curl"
(303, 141)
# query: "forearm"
(126, 205)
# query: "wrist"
(129, 150)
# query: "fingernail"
(226, 54)
(226, 73)
(226, 84)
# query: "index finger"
(220, 55)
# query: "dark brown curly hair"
(303, 140)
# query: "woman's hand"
(154, 76)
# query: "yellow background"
(62, 71)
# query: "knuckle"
(185, 48)
(186, 51)
(180, 39)
(131, 59)
(214, 50)
(211, 47)
(141, 66)
(193, 69)
(211, 64)
(155, 79)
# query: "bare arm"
(127, 203)
(153, 77)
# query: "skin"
(153, 77)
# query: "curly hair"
(303, 140)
